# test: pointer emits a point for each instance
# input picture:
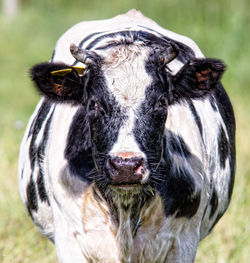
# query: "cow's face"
(126, 92)
(127, 109)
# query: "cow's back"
(85, 32)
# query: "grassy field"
(220, 28)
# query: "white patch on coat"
(66, 189)
(158, 239)
(97, 238)
(180, 121)
(43, 217)
(204, 148)
(215, 172)
(24, 169)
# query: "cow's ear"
(196, 79)
(59, 82)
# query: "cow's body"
(57, 173)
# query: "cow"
(130, 153)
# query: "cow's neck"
(123, 227)
(125, 211)
(128, 217)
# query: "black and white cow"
(129, 156)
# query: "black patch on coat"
(105, 115)
(108, 46)
(196, 116)
(213, 203)
(177, 187)
(149, 128)
(178, 146)
(164, 148)
(89, 37)
(40, 156)
(79, 134)
(223, 147)
(78, 148)
(127, 37)
(35, 129)
(212, 103)
(152, 114)
(226, 110)
(82, 165)
(32, 203)
(179, 193)
(41, 188)
(148, 39)
(105, 130)
(31, 128)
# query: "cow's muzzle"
(125, 171)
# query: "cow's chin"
(125, 194)
(126, 188)
(128, 194)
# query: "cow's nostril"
(128, 170)
(139, 166)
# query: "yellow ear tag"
(63, 72)
(79, 70)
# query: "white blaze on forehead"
(125, 73)
(127, 79)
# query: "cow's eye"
(95, 107)
(161, 104)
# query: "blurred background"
(28, 33)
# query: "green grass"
(220, 28)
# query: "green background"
(221, 29)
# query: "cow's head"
(126, 91)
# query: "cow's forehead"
(125, 55)
(124, 69)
